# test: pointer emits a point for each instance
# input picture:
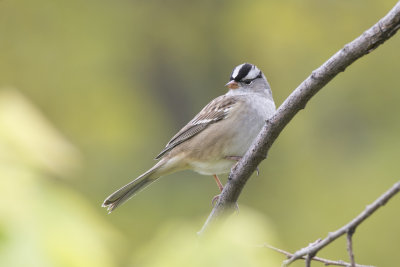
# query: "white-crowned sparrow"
(214, 139)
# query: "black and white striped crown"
(245, 71)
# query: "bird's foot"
(214, 200)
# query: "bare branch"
(324, 261)
(308, 260)
(352, 51)
(350, 233)
(348, 228)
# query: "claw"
(214, 200)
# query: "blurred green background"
(91, 91)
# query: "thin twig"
(350, 233)
(308, 260)
(297, 100)
(369, 210)
(324, 261)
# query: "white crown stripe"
(236, 70)
(252, 73)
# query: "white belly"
(240, 141)
(211, 168)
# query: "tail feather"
(127, 191)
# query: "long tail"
(127, 191)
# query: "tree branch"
(297, 100)
(326, 262)
(347, 229)
(350, 233)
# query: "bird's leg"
(220, 186)
(237, 158)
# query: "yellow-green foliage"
(91, 91)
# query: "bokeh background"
(91, 91)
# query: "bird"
(216, 138)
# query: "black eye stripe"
(248, 81)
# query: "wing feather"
(218, 109)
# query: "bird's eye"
(248, 81)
